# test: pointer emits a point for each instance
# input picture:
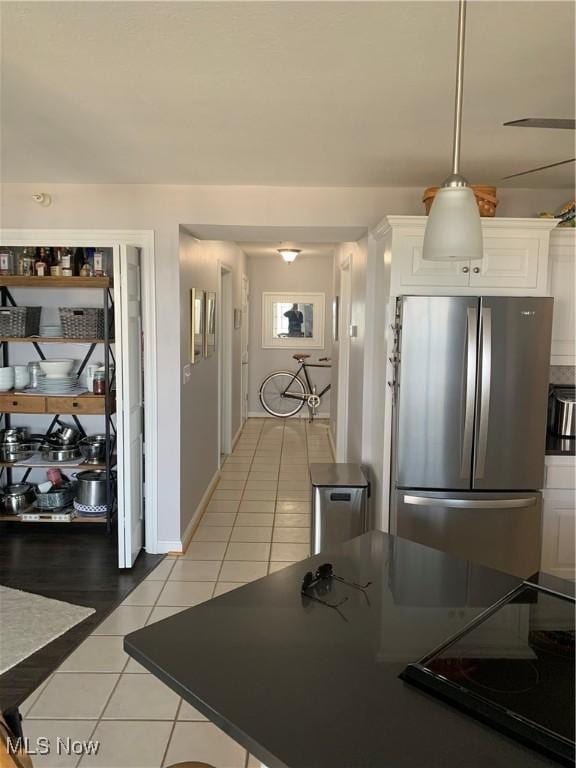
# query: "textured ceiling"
(281, 93)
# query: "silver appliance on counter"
(471, 392)
(562, 421)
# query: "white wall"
(307, 274)
(199, 419)
(163, 208)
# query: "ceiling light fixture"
(453, 230)
(288, 254)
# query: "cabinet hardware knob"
(465, 269)
(14, 402)
(476, 270)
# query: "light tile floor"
(257, 522)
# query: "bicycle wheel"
(272, 394)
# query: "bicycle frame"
(304, 397)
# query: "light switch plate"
(186, 373)
(353, 331)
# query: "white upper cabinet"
(515, 259)
(562, 287)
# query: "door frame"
(244, 353)
(345, 314)
(225, 347)
(112, 238)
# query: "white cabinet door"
(509, 261)
(562, 288)
(417, 271)
(558, 531)
(130, 407)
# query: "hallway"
(257, 522)
(258, 519)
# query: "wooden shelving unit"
(74, 521)
(76, 406)
(49, 340)
(18, 281)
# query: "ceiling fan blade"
(540, 168)
(543, 122)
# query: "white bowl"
(56, 369)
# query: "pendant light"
(453, 230)
(288, 254)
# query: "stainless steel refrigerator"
(471, 394)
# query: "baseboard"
(236, 436)
(332, 445)
(195, 519)
(164, 547)
(301, 415)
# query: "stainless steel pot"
(18, 498)
(11, 452)
(64, 453)
(93, 449)
(92, 487)
(66, 434)
(13, 435)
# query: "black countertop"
(303, 686)
(560, 446)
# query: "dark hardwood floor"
(74, 563)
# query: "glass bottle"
(99, 383)
(41, 265)
(78, 261)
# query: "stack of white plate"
(51, 331)
(63, 385)
(6, 378)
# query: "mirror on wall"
(293, 320)
(210, 324)
(196, 324)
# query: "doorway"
(244, 332)
(344, 359)
(226, 325)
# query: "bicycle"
(284, 393)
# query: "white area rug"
(28, 622)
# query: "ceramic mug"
(21, 376)
(6, 378)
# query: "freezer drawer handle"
(429, 501)
(340, 497)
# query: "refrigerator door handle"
(470, 384)
(485, 382)
(434, 501)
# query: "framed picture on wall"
(210, 324)
(292, 320)
(196, 324)
(335, 318)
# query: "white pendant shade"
(453, 230)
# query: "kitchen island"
(303, 685)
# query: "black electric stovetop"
(514, 669)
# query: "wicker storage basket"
(20, 321)
(82, 322)
(485, 197)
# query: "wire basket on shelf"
(20, 321)
(82, 322)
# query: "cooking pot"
(92, 488)
(18, 498)
(60, 453)
(93, 449)
(66, 434)
(13, 435)
(11, 452)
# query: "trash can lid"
(338, 475)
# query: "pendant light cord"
(459, 87)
